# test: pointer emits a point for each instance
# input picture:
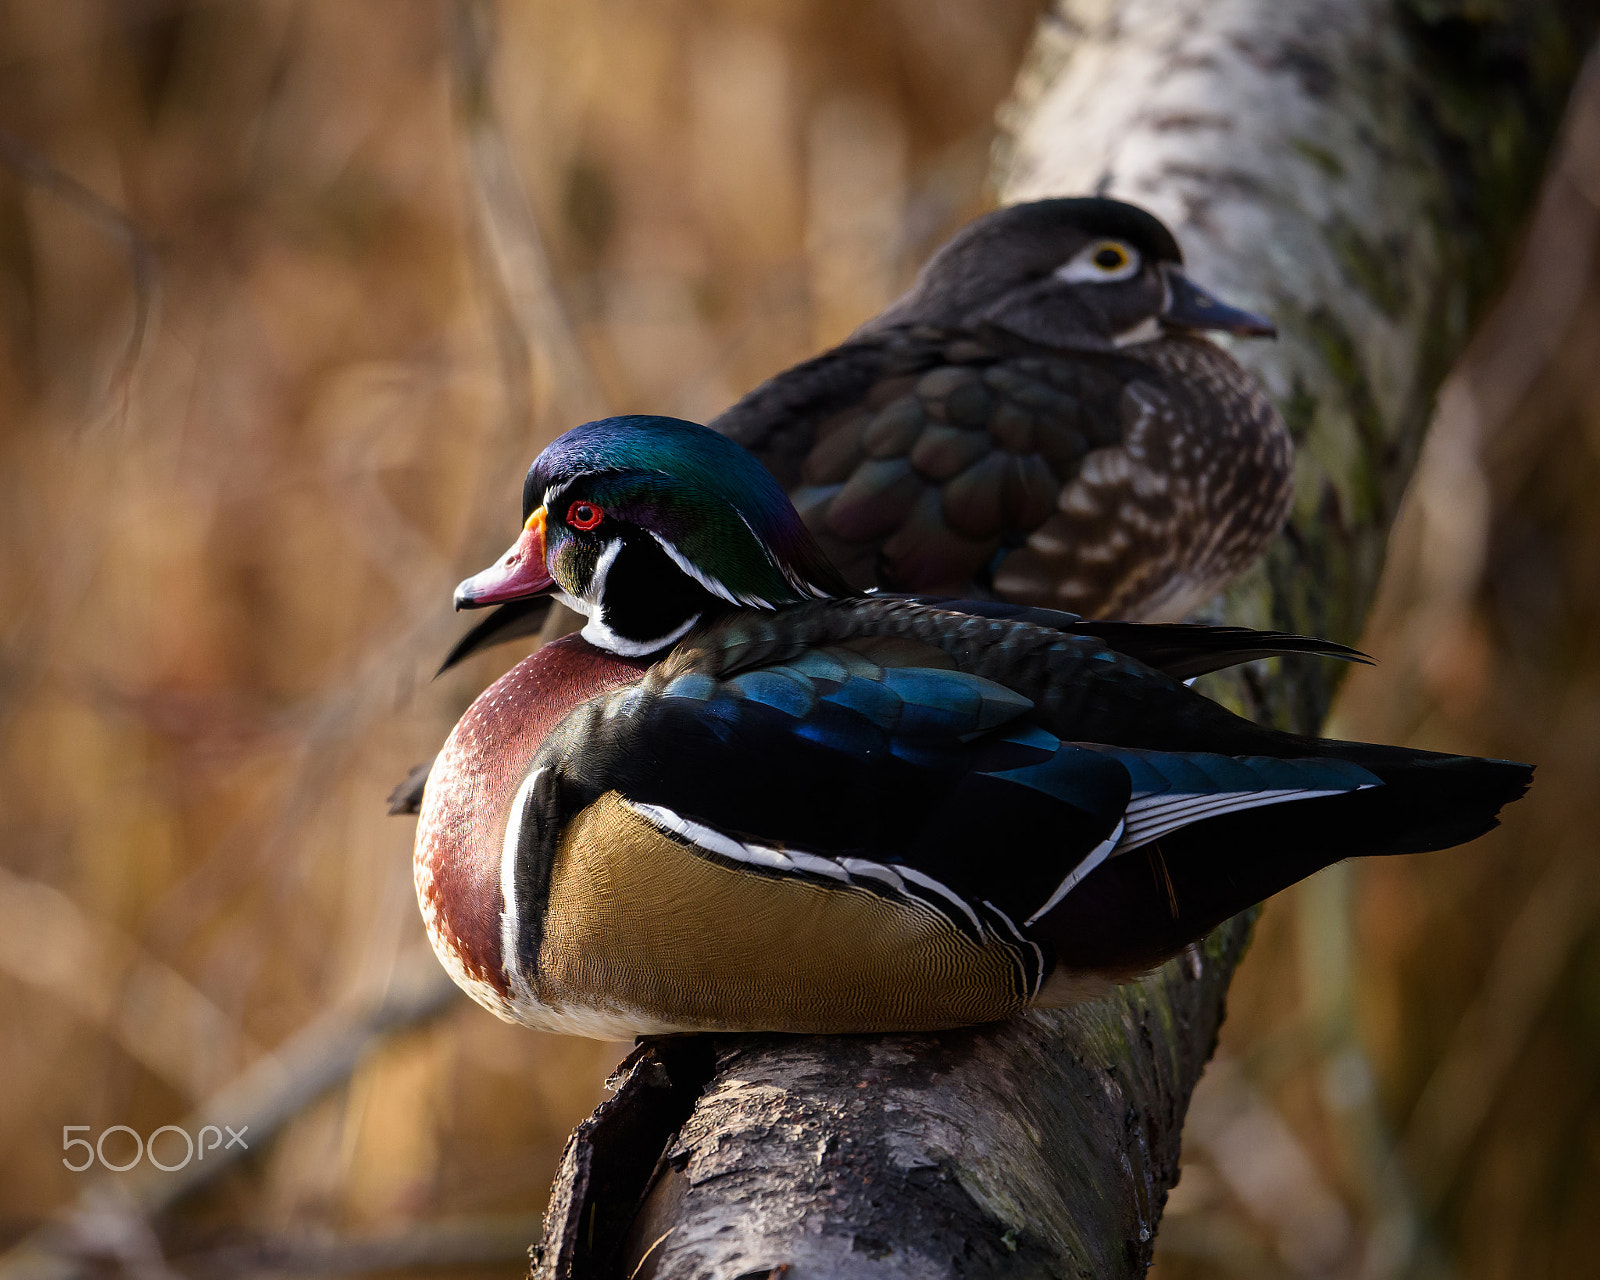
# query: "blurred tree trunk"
(1357, 169)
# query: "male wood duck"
(746, 796)
(1038, 420)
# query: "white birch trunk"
(1356, 169)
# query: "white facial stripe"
(553, 494)
(714, 585)
(595, 631)
(587, 606)
(1081, 268)
(793, 579)
(597, 580)
(722, 591)
(1097, 855)
(510, 926)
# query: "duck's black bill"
(1191, 307)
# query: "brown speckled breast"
(1197, 486)
(460, 831)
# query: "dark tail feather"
(1185, 650)
(407, 796)
(1181, 650)
(508, 622)
(1146, 905)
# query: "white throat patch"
(601, 636)
(591, 606)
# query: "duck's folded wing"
(832, 765)
(790, 415)
(918, 781)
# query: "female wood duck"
(746, 797)
(1039, 419)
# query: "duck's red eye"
(584, 515)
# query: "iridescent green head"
(647, 525)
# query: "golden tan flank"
(638, 921)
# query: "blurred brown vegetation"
(280, 338)
(240, 481)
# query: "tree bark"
(1357, 169)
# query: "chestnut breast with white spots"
(461, 828)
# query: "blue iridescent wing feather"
(925, 769)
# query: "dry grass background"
(277, 347)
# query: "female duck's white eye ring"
(1102, 262)
(584, 515)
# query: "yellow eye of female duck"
(1110, 256)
